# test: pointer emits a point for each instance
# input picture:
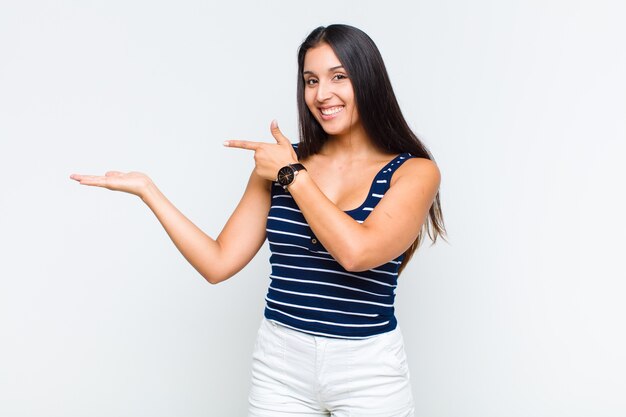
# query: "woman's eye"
(310, 81)
(340, 77)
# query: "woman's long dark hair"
(376, 103)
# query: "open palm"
(130, 182)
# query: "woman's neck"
(355, 145)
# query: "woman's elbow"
(353, 267)
(212, 280)
(354, 261)
(214, 277)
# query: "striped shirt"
(310, 291)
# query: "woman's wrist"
(299, 180)
(149, 192)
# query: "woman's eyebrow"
(329, 70)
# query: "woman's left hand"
(268, 157)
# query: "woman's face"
(328, 92)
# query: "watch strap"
(298, 167)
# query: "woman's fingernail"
(274, 124)
(226, 143)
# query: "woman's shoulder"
(416, 168)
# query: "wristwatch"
(287, 174)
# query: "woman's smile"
(329, 113)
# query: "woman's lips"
(329, 113)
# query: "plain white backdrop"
(522, 103)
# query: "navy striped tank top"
(311, 292)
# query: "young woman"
(343, 212)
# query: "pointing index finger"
(243, 144)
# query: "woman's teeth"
(331, 111)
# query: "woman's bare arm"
(390, 228)
(215, 259)
(388, 231)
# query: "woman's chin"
(331, 129)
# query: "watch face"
(285, 175)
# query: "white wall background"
(523, 104)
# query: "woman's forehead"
(321, 58)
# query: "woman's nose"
(324, 91)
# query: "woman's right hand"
(135, 183)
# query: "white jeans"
(297, 374)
